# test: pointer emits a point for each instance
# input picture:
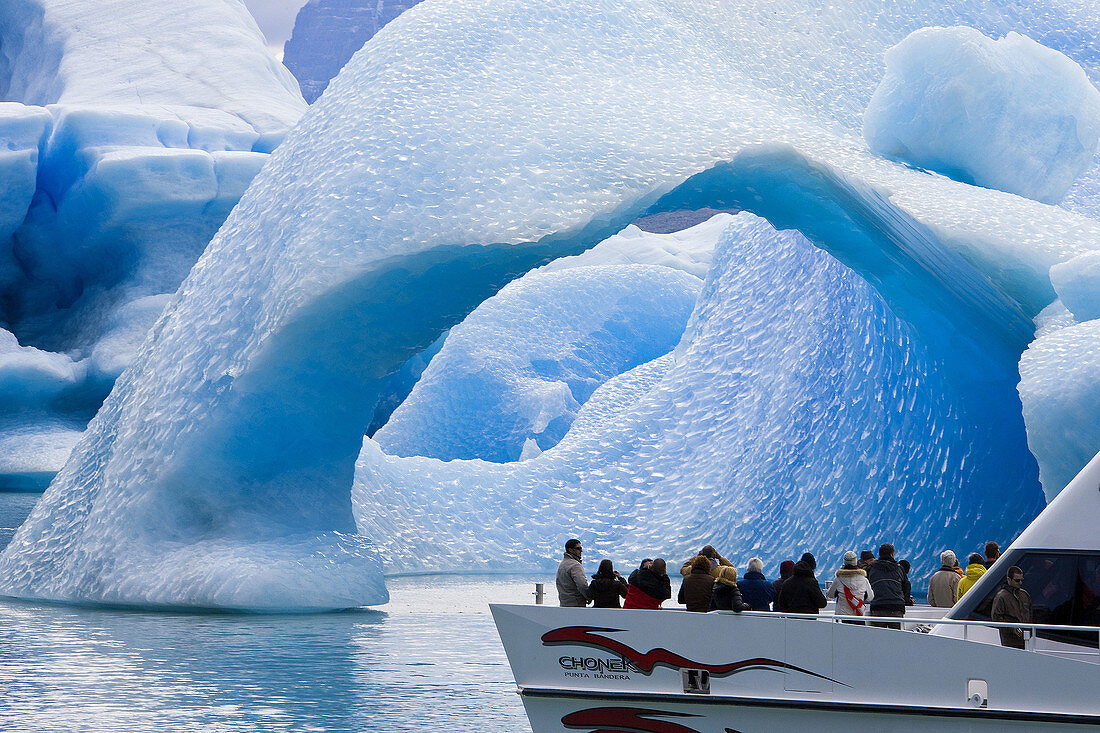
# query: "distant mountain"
(326, 34)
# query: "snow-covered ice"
(1008, 113)
(471, 141)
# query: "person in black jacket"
(726, 595)
(785, 569)
(802, 593)
(888, 582)
(698, 585)
(648, 586)
(607, 586)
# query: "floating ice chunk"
(1077, 283)
(1008, 114)
(1061, 401)
(519, 367)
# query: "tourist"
(697, 586)
(866, 558)
(801, 593)
(756, 591)
(648, 587)
(907, 590)
(975, 568)
(715, 560)
(889, 585)
(1012, 604)
(850, 589)
(607, 586)
(992, 552)
(646, 564)
(572, 585)
(944, 584)
(786, 568)
(726, 595)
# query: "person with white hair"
(756, 590)
(944, 583)
(850, 588)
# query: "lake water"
(429, 660)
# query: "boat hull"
(610, 670)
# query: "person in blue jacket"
(756, 590)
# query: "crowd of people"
(864, 585)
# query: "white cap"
(850, 558)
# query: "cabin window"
(1064, 590)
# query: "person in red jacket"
(648, 587)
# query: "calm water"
(430, 660)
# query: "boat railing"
(926, 624)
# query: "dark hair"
(572, 543)
(904, 565)
(701, 564)
(786, 568)
(992, 549)
(607, 570)
(866, 555)
(658, 566)
(708, 552)
(886, 550)
(1014, 571)
(974, 559)
(647, 560)
(809, 559)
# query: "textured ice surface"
(797, 413)
(1008, 114)
(1077, 283)
(470, 141)
(511, 377)
(327, 33)
(127, 132)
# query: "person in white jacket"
(850, 589)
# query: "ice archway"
(467, 143)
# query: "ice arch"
(468, 142)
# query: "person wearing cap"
(571, 581)
(889, 585)
(786, 569)
(727, 595)
(944, 584)
(716, 561)
(850, 588)
(802, 593)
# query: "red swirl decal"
(626, 720)
(590, 636)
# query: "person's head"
(948, 559)
(606, 568)
(975, 559)
(904, 566)
(886, 552)
(756, 565)
(992, 550)
(786, 568)
(573, 547)
(726, 575)
(709, 552)
(701, 564)
(850, 559)
(809, 560)
(647, 563)
(1015, 577)
(658, 566)
(866, 557)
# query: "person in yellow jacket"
(975, 569)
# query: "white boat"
(634, 671)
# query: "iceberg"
(1008, 114)
(469, 142)
(123, 146)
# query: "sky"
(276, 19)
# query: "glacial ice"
(797, 413)
(123, 146)
(471, 141)
(1008, 114)
(517, 369)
